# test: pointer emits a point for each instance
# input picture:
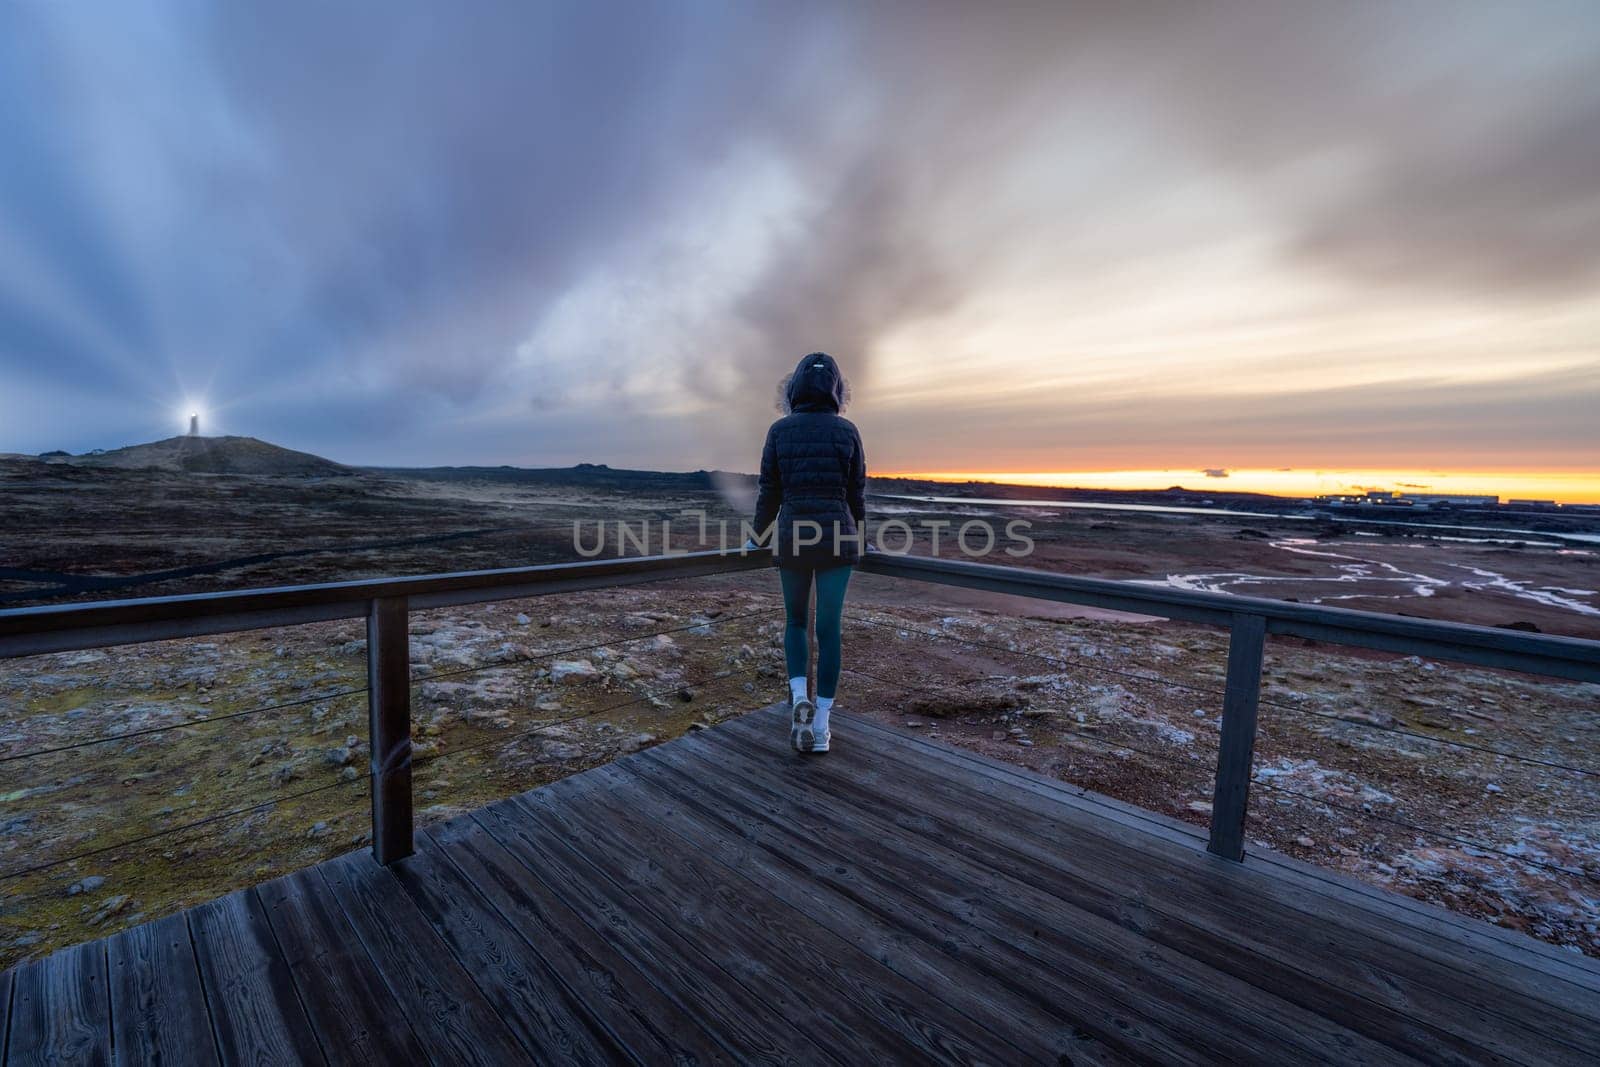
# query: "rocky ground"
(197, 792)
(140, 780)
(182, 770)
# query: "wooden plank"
(444, 1004)
(1277, 947)
(1106, 807)
(1048, 856)
(957, 991)
(356, 1018)
(1474, 939)
(256, 1012)
(1261, 891)
(1166, 1005)
(817, 979)
(512, 976)
(733, 807)
(1469, 941)
(389, 728)
(750, 1028)
(639, 1017)
(158, 1009)
(1236, 748)
(60, 1009)
(1413, 923)
(926, 906)
(1473, 934)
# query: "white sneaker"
(800, 733)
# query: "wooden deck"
(719, 900)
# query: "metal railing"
(386, 605)
(1249, 620)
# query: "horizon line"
(1561, 487)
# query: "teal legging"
(831, 582)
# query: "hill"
(587, 475)
(210, 455)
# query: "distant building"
(1467, 499)
(194, 425)
(1371, 498)
(1531, 503)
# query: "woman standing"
(813, 485)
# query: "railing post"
(1236, 751)
(389, 727)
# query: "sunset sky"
(1293, 247)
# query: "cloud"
(405, 231)
(1214, 472)
(1395, 151)
(1530, 421)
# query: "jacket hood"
(816, 385)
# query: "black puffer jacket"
(813, 470)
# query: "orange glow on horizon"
(1566, 487)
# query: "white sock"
(820, 722)
(797, 689)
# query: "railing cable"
(536, 657)
(220, 816)
(1441, 835)
(1073, 664)
(1436, 740)
(207, 820)
(337, 694)
(57, 588)
(298, 702)
(637, 698)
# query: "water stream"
(1358, 570)
(1301, 516)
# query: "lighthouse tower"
(194, 425)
